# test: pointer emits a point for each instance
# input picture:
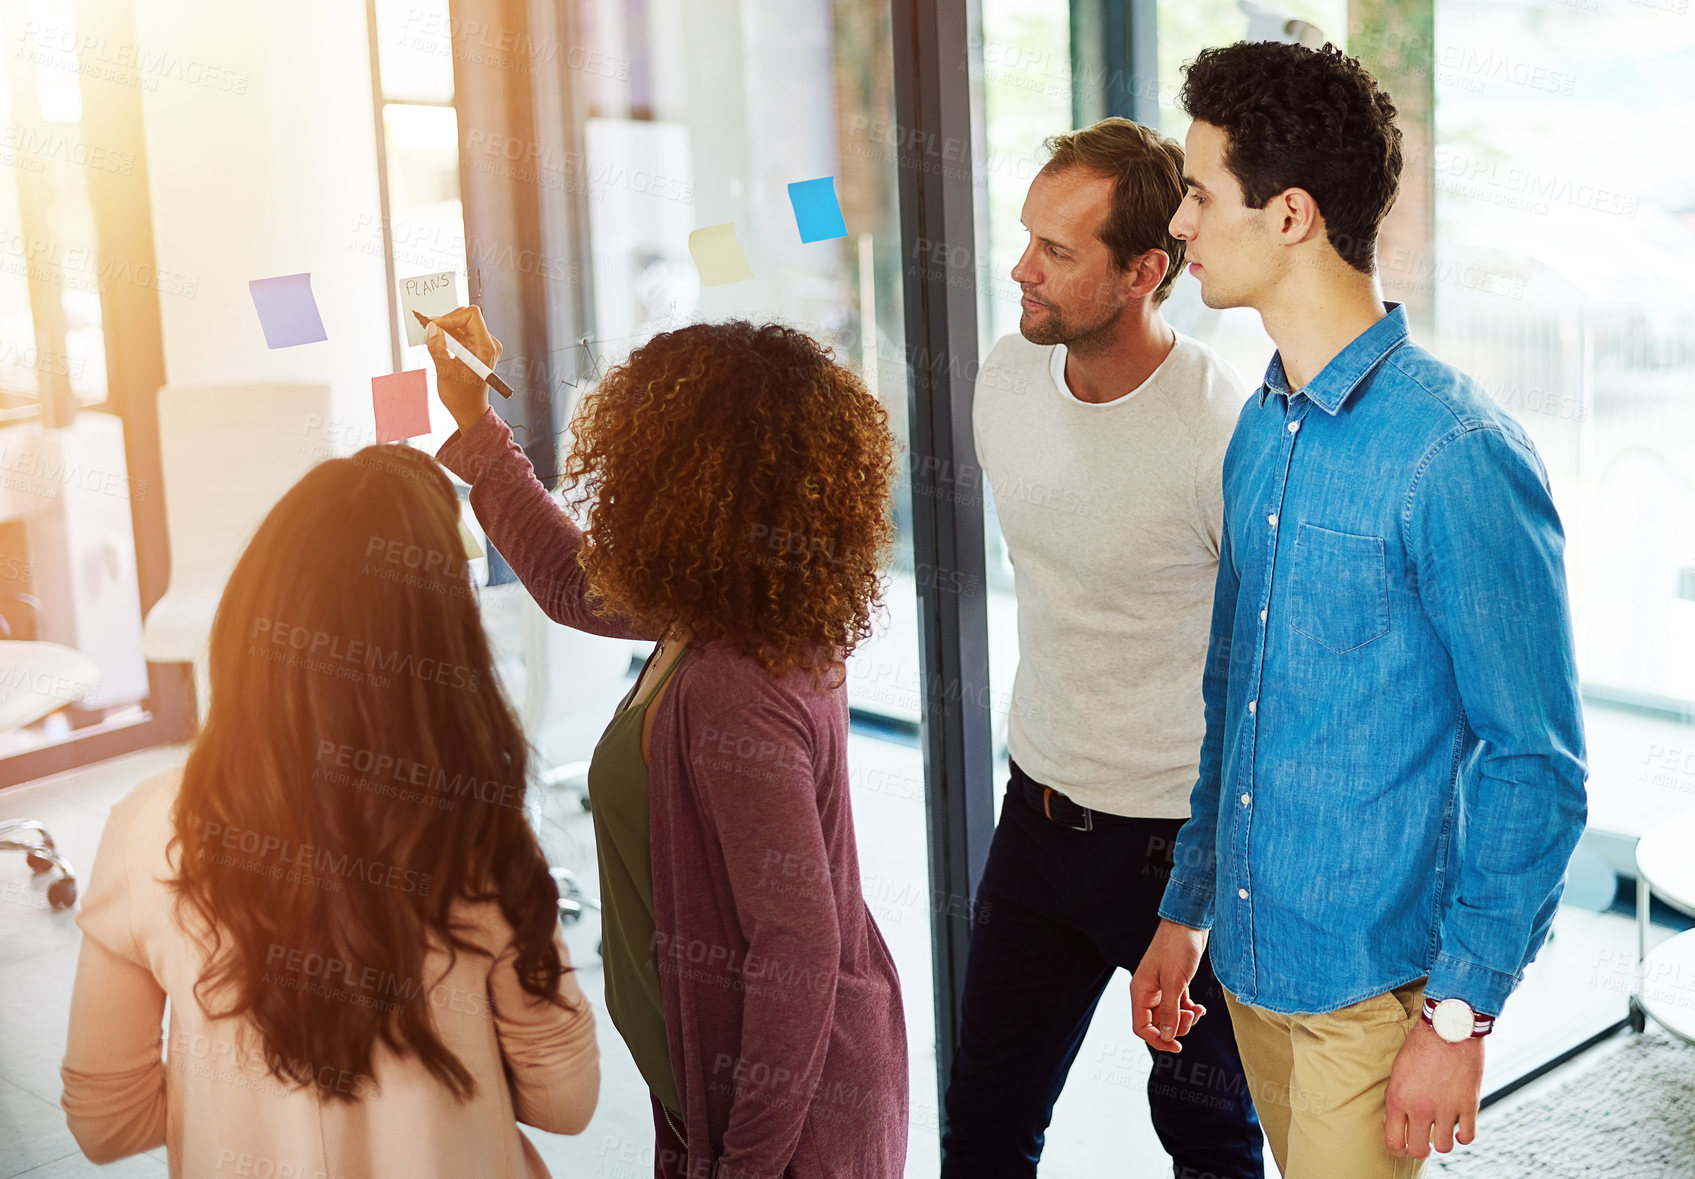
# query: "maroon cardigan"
(782, 1006)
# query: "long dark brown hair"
(358, 775)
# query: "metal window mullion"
(378, 102)
(933, 111)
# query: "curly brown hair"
(737, 484)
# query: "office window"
(1565, 244)
(1560, 270)
(69, 578)
(52, 345)
(1554, 268)
(678, 115)
(423, 227)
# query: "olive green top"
(618, 795)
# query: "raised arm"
(532, 532)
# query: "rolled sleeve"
(1484, 990)
(1187, 905)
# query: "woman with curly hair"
(339, 892)
(736, 481)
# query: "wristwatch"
(1455, 1021)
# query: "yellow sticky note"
(471, 549)
(718, 255)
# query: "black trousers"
(1058, 911)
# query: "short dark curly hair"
(1304, 118)
(737, 482)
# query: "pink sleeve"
(753, 767)
(113, 1072)
(531, 530)
(552, 1060)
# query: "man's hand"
(460, 390)
(1433, 1085)
(1160, 1007)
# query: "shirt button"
(1294, 426)
(1272, 519)
(1262, 615)
(1246, 798)
(1243, 893)
(1253, 706)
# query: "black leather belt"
(1058, 808)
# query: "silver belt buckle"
(1047, 809)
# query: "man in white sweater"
(1102, 433)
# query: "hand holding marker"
(716, 252)
(464, 355)
(462, 391)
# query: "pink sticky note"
(402, 402)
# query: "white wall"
(277, 180)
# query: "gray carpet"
(1625, 1108)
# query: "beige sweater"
(1111, 514)
(211, 1102)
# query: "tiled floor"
(38, 951)
(1101, 1120)
(38, 964)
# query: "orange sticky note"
(402, 402)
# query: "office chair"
(31, 838)
(53, 664)
(569, 677)
(229, 452)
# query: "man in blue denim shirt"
(1392, 778)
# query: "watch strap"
(1481, 1025)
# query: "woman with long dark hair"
(736, 485)
(339, 892)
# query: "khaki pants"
(1318, 1083)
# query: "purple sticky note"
(287, 311)
(402, 402)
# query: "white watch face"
(1453, 1020)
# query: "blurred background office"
(156, 155)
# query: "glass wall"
(694, 113)
(69, 590)
(1543, 242)
(1555, 268)
(1183, 31)
(1561, 279)
(1552, 182)
(51, 341)
(424, 222)
(1021, 60)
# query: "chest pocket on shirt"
(1339, 588)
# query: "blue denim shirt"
(1392, 778)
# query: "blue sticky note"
(817, 211)
(287, 311)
